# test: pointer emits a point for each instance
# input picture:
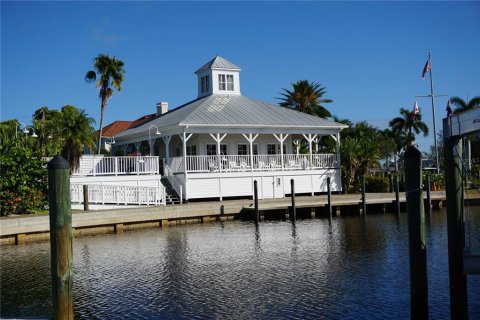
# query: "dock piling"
(455, 228)
(60, 237)
(364, 200)
(397, 195)
(329, 197)
(85, 197)
(416, 234)
(255, 199)
(294, 210)
(429, 198)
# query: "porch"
(252, 163)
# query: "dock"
(19, 230)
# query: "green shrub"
(23, 181)
(377, 184)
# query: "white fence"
(238, 163)
(122, 195)
(100, 165)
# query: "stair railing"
(176, 185)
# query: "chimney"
(162, 108)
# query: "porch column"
(336, 137)
(310, 140)
(184, 137)
(151, 143)
(297, 146)
(137, 147)
(137, 161)
(218, 140)
(250, 139)
(166, 140)
(281, 138)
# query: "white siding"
(208, 185)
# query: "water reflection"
(340, 268)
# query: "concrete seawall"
(18, 230)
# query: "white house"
(216, 145)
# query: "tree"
(461, 105)
(110, 73)
(47, 124)
(305, 97)
(77, 133)
(23, 179)
(408, 124)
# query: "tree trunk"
(102, 110)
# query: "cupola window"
(230, 82)
(205, 84)
(225, 82)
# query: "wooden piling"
(429, 198)
(416, 234)
(364, 199)
(329, 197)
(294, 210)
(85, 197)
(60, 237)
(397, 195)
(455, 228)
(255, 199)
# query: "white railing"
(122, 195)
(238, 163)
(100, 165)
(176, 185)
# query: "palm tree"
(461, 105)
(408, 124)
(77, 132)
(110, 74)
(305, 97)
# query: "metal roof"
(233, 111)
(218, 63)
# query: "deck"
(20, 229)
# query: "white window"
(229, 82)
(271, 149)
(221, 82)
(212, 149)
(242, 150)
(275, 149)
(205, 83)
(192, 150)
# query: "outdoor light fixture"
(26, 130)
(150, 136)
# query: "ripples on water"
(346, 269)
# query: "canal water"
(314, 269)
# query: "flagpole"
(433, 114)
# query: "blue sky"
(368, 55)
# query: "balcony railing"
(122, 195)
(239, 163)
(100, 165)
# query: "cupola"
(218, 76)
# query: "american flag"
(415, 111)
(426, 68)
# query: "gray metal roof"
(218, 63)
(233, 111)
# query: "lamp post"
(150, 136)
(26, 130)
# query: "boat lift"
(460, 261)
